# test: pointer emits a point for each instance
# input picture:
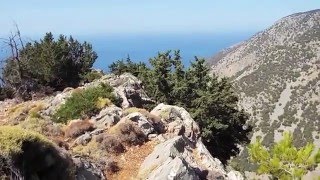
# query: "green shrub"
(91, 76)
(6, 93)
(84, 103)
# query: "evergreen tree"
(48, 63)
(283, 160)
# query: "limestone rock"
(83, 139)
(55, 102)
(178, 121)
(107, 117)
(86, 170)
(144, 124)
(178, 158)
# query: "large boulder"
(178, 158)
(178, 121)
(143, 122)
(182, 154)
(107, 117)
(86, 170)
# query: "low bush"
(110, 143)
(85, 103)
(78, 128)
(29, 155)
(6, 93)
(91, 76)
(112, 167)
(130, 134)
(42, 126)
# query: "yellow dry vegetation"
(13, 137)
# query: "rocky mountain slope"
(277, 75)
(116, 143)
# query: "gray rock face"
(107, 117)
(178, 158)
(178, 121)
(85, 170)
(166, 162)
(181, 153)
(83, 139)
(55, 102)
(144, 124)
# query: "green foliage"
(84, 103)
(91, 76)
(12, 139)
(48, 63)
(6, 93)
(283, 160)
(210, 100)
(121, 66)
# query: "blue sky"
(108, 17)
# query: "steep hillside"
(277, 75)
(120, 141)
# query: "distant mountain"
(277, 75)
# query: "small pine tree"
(283, 160)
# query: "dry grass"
(131, 161)
(21, 111)
(77, 128)
(110, 143)
(128, 133)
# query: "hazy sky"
(107, 17)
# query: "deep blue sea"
(143, 47)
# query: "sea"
(143, 47)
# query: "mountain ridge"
(277, 76)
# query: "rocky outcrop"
(162, 144)
(107, 117)
(128, 87)
(177, 121)
(86, 170)
(181, 155)
(143, 123)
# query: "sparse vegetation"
(110, 143)
(85, 103)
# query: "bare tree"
(13, 44)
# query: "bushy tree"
(47, 63)
(283, 160)
(210, 100)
